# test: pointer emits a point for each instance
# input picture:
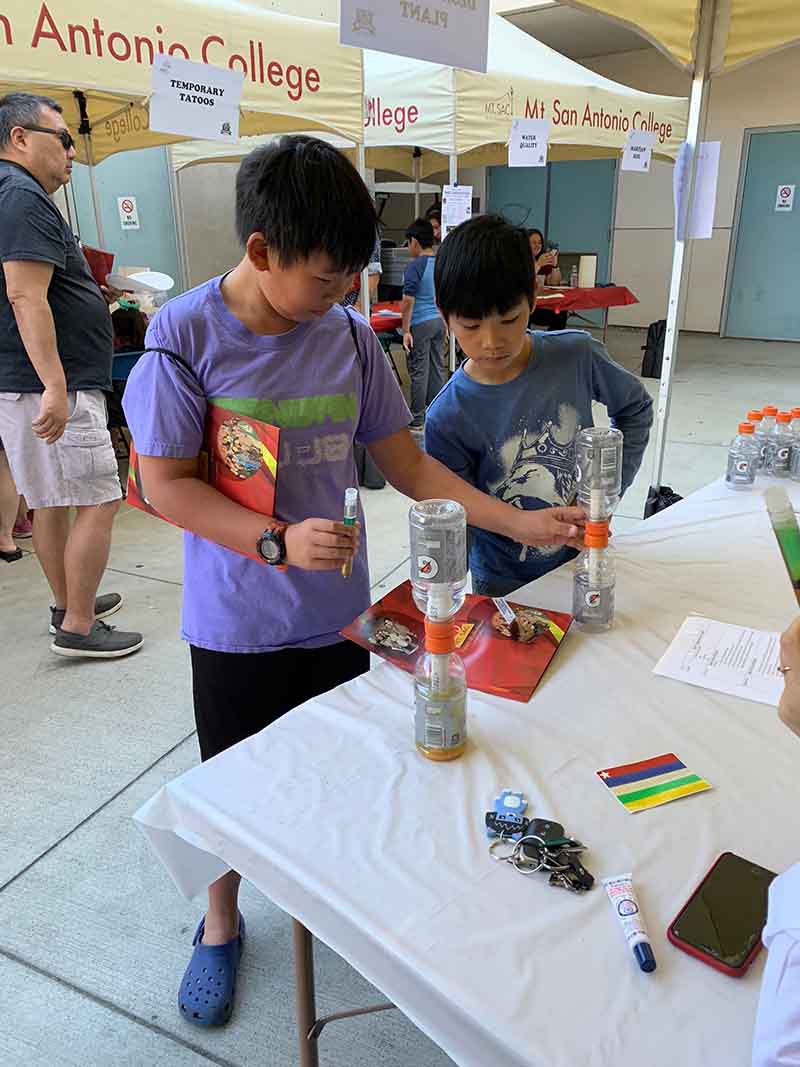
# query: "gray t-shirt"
(33, 229)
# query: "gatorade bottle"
(438, 536)
(764, 432)
(756, 418)
(779, 446)
(744, 457)
(440, 695)
(594, 582)
(794, 463)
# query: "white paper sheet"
(455, 34)
(195, 99)
(736, 660)
(527, 145)
(701, 222)
(456, 206)
(638, 150)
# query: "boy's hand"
(321, 544)
(408, 341)
(551, 526)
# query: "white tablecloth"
(332, 814)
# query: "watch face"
(270, 548)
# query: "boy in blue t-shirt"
(270, 341)
(507, 420)
(423, 329)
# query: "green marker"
(350, 519)
(784, 523)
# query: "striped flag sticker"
(652, 782)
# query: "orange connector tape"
(596, 534)
(440, 637)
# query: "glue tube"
(350, 518)
(626, 907)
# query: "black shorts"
(236, 694)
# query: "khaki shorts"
(79, 470)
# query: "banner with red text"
(296, 74)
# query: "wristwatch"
(271, 545)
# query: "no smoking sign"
(784, 199)
(128, 212)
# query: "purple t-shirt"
(311, 384)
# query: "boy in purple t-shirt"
(270, 340)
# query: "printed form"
(736, 660)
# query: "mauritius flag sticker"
(652, 782)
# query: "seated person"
(547, 273)
(374, 270)
(129, 325)
(776, 1041)
(434, 217)
(507, 420)
(423, 329)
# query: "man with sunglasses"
(55, 366)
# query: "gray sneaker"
(102, 642)
(104, 606)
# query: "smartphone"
(722, 921)
(552, 246)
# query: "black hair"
(484, 266)
(130, 326)
(434, 212)
(422, 230)
(304, 196)
(22, 109)
(534, 230)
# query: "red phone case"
(712, 961)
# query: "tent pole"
(362, 170)
(453, 175)
(177, 215)
(698, 106)
(85, 131)
(417, 161)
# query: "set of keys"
(534, 845)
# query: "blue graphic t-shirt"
(517, 440)
(418, 282)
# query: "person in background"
(776, 1039)
(55, 366)
(423, 329)
(508, 419)
(547, 273)
(374, 270)
(130, 326)
(434, 217)
(9, 508)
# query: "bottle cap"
(755, 416)
(351, 496)
(771, 410)
(746, 427)
(596, 534)
(440, 637)
(784, 416)
(796, 413)
(644, 957)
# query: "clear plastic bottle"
(770, 413)
(573, 277)
(438, 534)
(794, 462)
(440, 695)
(595, 581)
(796, 422)
(598, 471)
(744, 458)
(778, 458)
(757, 418)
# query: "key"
(505, 824)
(580, 879)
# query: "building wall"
(764, 93)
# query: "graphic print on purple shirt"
(310, 383)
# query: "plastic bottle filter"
(598, 471)
(438, 535)
(593, 593)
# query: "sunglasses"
(64, 136)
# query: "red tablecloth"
(599, 296)
(385, 323)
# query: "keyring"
(523, 865)
(503, 841)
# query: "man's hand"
(789, 707)
(551, 526)
(53, 415)
(110, 295)
(320, 544)
(408, 341)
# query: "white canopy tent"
(704, 37)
